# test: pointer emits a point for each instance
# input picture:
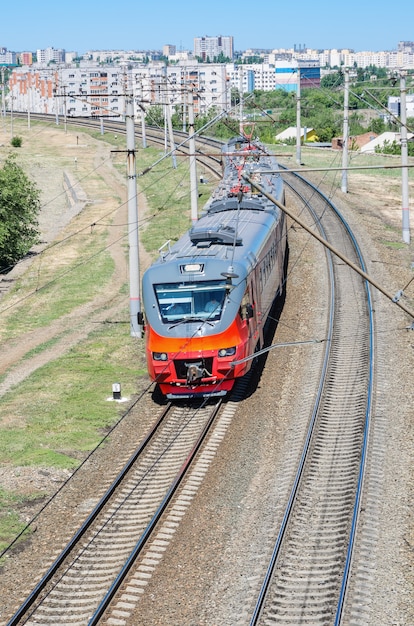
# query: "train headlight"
(227, 351)
(160, 356)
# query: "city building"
(94, 84)
(210, 48)
(99, 91)
(7, 57)
(282, 74)
(168, 50)
(50, 55)
(26, 58)
(394, 105)
(401, 58)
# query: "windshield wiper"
(191, 319)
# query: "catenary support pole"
(404, 162)
(143, 123)
(298, 121)
(241, 114)
(344, 183)
(193, 161)
(134, 277)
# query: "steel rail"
(351, 540)
(289, 507)
(153, 134)
(188, 463)
(30, 600)
(368, 416)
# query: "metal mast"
(136, 319)
(143, 126)
(344, 186)
(298, 122)
(241, 100)
(404, 162)
(193, 161)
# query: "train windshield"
(191, 301)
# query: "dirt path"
(92, 199)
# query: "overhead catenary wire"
(334, 250)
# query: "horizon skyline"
(153, 49)
(83, 28)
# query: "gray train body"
(234, 257)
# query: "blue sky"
(136, 25)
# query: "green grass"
(60, 412)
(42, 347)
(10, 527)
(58, 289)
(10, 522)
(168, 193)
(395, 245)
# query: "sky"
(81, 25)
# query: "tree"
(155, 116)
(377, 125)
(333, 80)
(19, 208)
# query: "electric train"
(208, 296)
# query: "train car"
(207, 298)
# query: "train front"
(195, 327)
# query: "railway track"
(85, 577)
(309, 570)
(207, 149)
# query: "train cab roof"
(221, 236)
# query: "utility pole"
(171, 134)
(193, 162)
(241, 99)
(344, 185)
(168, 121)
(298, 122)
(64, 110)
(404, 162)
(184, 105)
(3, 88)
(56, 100)
(143, 127)
(11, 113)
(136, 317)
(28, 92)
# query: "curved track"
(306, 579)
(207, 149)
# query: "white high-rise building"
(209, 48)
(50, 54)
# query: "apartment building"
(44, 57)
(212, 47)
(7, 57)
(99, 91)
(277, 75)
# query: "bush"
(19, 208)
(16, 142)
